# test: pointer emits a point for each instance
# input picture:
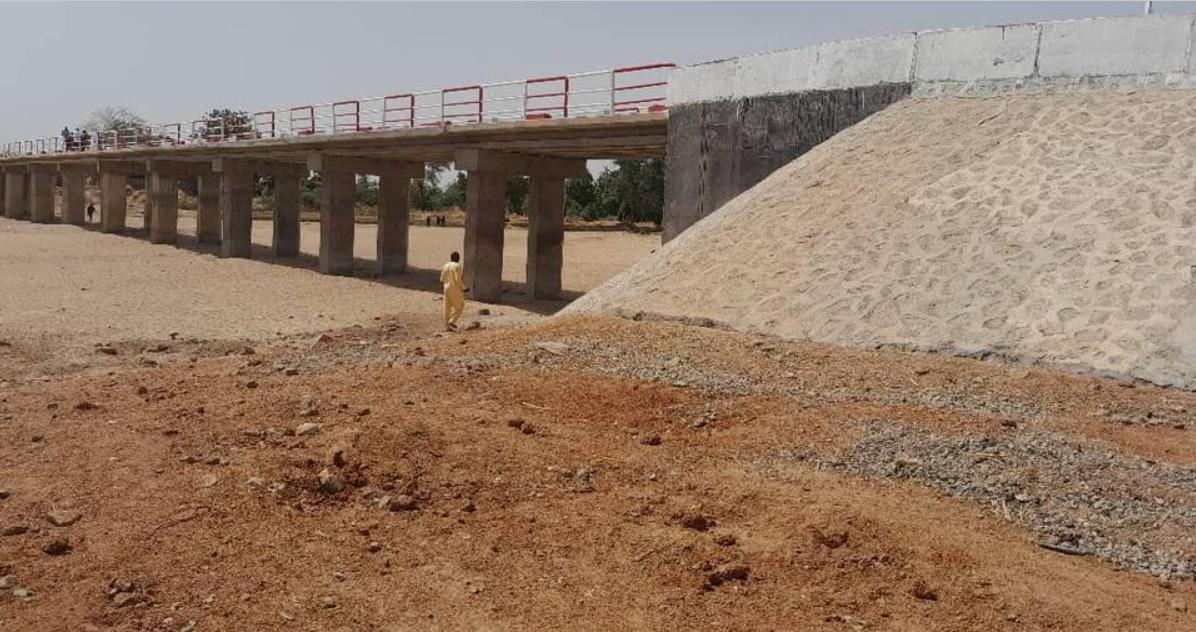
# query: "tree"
(453, 195)
(517, 190)
(425, 194)
(223, 124)
(581, 197)
(113, 118)
(633, 191)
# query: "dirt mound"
(1055, 229)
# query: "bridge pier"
(485, 214)
(545, 236)
(207, 230)
(114, 201)
(485, 206)
(394, 216)
(163, 189)
(337, 189)
(286, 215)
(41, 194)
(236, 219)
(73, 195)
(14, 193)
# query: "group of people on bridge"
(79, 140)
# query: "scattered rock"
(8, 581)
(373, 547)
(328, 602)
(1179, 606)
(727, 573)
(251, 384)
(652, 439)
(697, 522)
(924, 591)
(831, 540)
(553, 347)
(16, 529)
(725, 539)
(22, 593)
(402, 502)
(106, 350)
(338, 457)
(85, 405)
(331, 482)
(469, 507)
(473, 324)
(57, 546)
(515, 423)
(485, 311)
(308, 428)
(290, 371)
(209, 480)
(4, 493)
(63, 517)
(124, 599)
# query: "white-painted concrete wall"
(1139, 51)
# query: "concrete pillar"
(41, 195)
(3, 197)
(147, 213)
(236, 220)
(286, 215)
(74, 201)
(207, 229)
(484, 215)
(337, 191)
(393, 222)
(545, 236)
(114, 201)
(16, 198)
(163, 190)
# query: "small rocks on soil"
(57, 546)
(306, 429)
(63, 517)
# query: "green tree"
(581, 197)
(223, 124)
(517, 190)
(633, 191)
(453, 195)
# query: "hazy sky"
(173, 61)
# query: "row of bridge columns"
(226, 196)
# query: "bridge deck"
(598, 137)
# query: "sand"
(1053, 229)
(71, 288)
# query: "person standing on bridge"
(454, 291)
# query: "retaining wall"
(715, 101)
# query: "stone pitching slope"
(1056, 229)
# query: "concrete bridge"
(493, 132)
(724, 126)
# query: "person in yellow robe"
(454, 291)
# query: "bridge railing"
(624, 90)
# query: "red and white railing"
(626, 90)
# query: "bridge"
(545, 128)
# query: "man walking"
(454, 291)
